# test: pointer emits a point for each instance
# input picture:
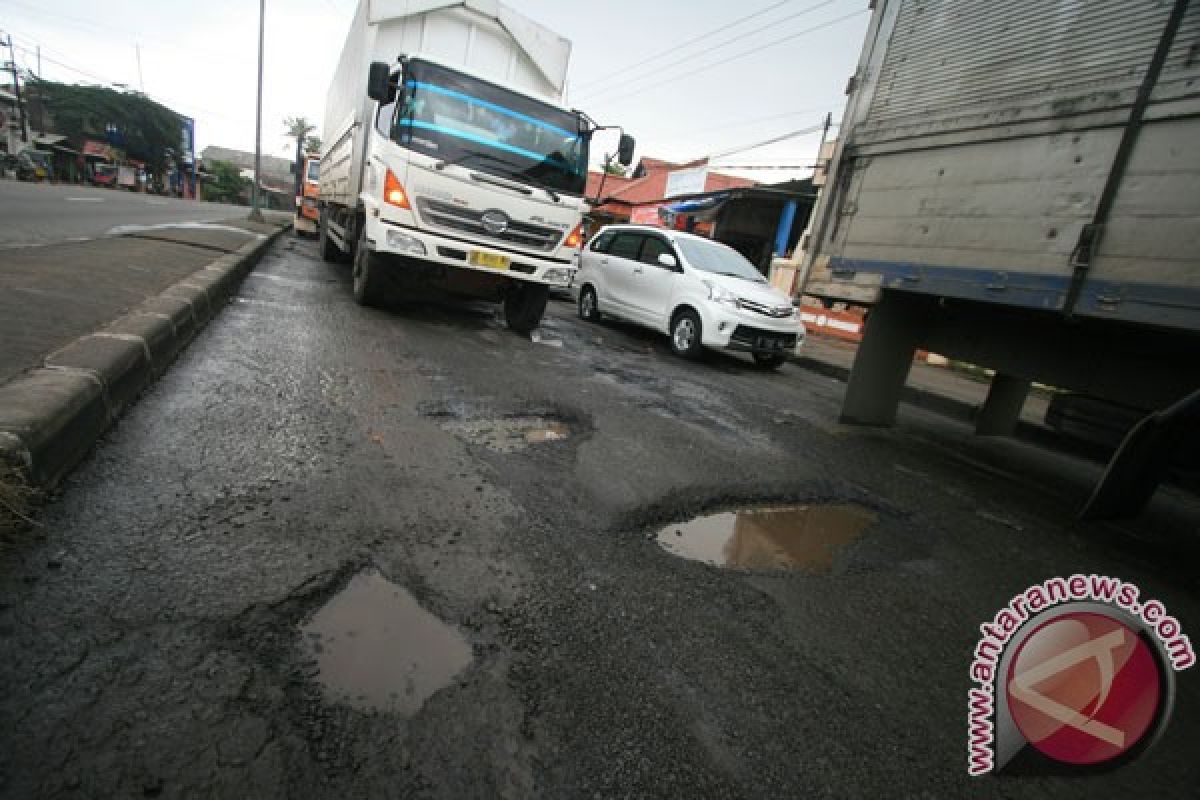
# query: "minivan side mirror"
(625, 150)
(667, 260)
(379, 83)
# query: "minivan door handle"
(637, 270)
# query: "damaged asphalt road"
(184, 623)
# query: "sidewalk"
(88, 325)
(52, 294)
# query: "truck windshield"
(465, 120)
(314, 169)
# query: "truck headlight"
(557, 275)
(403, 243)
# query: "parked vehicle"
(307, 212)
(700, 292)
(127, 177)
(33, 165)
(105, 175)
(1015, 186)
(450, 159)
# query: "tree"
(312, 144)
(227, 185)
(613, 168)
(298, 128)
(131, 121)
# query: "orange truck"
(307, 213)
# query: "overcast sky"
(634, 63)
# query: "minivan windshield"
(464, 120)
(718, 258)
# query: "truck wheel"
(524, 306)
(368, 277)
(685, 334)
(588, 308)
(329, 250)
(769, 360)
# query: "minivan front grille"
(776, 312)
(466, 220)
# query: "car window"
(626, 245)
(600, 243)
(653, 248)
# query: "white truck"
(449, 159)
(1015, 185)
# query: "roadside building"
(276, 180)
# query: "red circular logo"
(1084, 688)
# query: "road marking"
(87, 199)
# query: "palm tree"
(298, 128)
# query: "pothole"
(377, 649)
(508, 434)
(787, 537)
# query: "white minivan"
(700, 292)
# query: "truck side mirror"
(625, 150)
(379, 86)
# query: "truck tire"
(369, 281)
(524, 306)
(329, 250)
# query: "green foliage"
(148, 129)
(312, 144)
(227, 184)
(613, 168)
(298, 127)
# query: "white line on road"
(87, 199)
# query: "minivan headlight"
(719, 294)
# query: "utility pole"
(12, 65)
(255, 213)
(137, 49)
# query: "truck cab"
(307, 212)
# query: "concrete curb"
(50, 417)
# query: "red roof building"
(638, 197)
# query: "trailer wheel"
(368, 274)
(524, 306)
(329, 250)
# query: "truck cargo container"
(1015, 185)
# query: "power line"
(692, 41)
(752, 51)
(739, 37)
(772, 140)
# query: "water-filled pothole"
(791, 537)
(508, 434)
(376, 649)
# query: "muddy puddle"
(804, 538)
(377, 650)
(509, 434)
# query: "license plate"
(490, 260)
(769, 343)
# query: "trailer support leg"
(1002, 409)
(882, 363)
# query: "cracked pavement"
(150, 633)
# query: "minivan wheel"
(769, 360)
(588, 309)
(685, 334)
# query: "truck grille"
(466, 220)
(776, 312)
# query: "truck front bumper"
(402, 240)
